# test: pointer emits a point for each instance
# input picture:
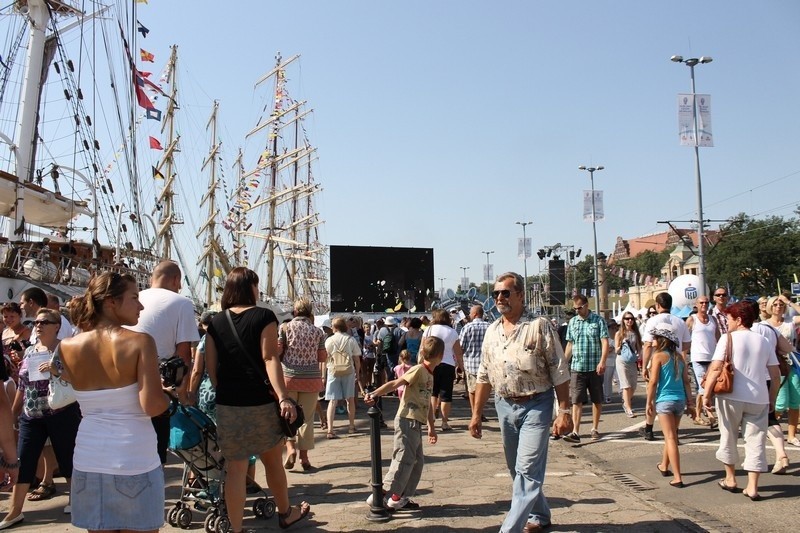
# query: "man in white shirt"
(663, 306)
(169, 318)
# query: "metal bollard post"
(377, 511)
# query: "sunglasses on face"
(628, 318)
(43, 322)
(579, 307)
(702, 303)
(721, 295)
(505, 293)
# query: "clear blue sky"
(441, 123)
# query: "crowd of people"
(248, 372)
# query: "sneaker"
(410, 505)
(794, 442)
(68, 509)
(370, 500)
(630, 413)
(595, 435)
(647, 434)
(391, 503)
(572, 437)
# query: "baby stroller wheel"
(264, 508)
(184, 518)
(222, 524)
(172, 516)
(208, 524)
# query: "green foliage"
(754, 255)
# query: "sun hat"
(391, 321)
(667, 331)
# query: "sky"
(440, 124)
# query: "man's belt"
(521, 399)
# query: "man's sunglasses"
(505, 293)
(43, 322)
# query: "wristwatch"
(563, 412)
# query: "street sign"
(796, 289)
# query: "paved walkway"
(465, 487)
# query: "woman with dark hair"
(628, 371)
(16, 337)
(411, 339)
(247, 422)
(118, 482)
(669, 395)
(746, 407)
(445, 374)
(37, 420)
(302, 349)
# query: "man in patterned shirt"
(523, 363)
(718, 312)
(587, 350)
(471, 339)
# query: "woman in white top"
(445, 374)
(789, 393)
(748, 403)
(118, 482)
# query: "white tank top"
(115, 435)
(704, 339)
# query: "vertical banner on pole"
(488, 272)
(686, 119)
(524, 248)
(598, 206)
(464, 284)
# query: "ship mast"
(212, 247)
(165, 202)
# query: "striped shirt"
(471, 338)
(585, 335)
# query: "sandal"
(283, 518)
(42, 492)
(700, 421)
(332, 436)
(290, 459)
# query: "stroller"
(193, 439)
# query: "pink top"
(399, 370)
(303, 347)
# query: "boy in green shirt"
(407, 458)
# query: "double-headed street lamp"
(525, 254)
(488, 274)
(591, 171)
(464, 281)
(701, 256)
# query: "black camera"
(172, 370)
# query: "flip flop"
(290, 459)
(701, 422)
(283, 519)
(664, 473)
(725, 486)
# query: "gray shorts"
(340, 388)
(246, 431)
(111, 502)
(472, 381)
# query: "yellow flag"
(399, 306)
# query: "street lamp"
(525, 257)
(591, 171)
(464, 279)
(488, 276)
(701, 247)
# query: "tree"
(754, 255)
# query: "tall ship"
(94, 174)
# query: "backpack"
(390, 343)
(627, 354)
(342, 361)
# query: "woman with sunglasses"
(789, 393)
(628, 371)
(16, 337)
(37, 421)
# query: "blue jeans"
(525, 429)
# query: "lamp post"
(525, 258)
(591, 171)
(464, 279)
(701, 255)
(488, 276)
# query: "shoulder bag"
(289, 429)
(627, 354)
(724, 383)
(60, 392)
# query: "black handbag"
(289, 429)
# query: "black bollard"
(377, 511)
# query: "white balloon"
(685, 290)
